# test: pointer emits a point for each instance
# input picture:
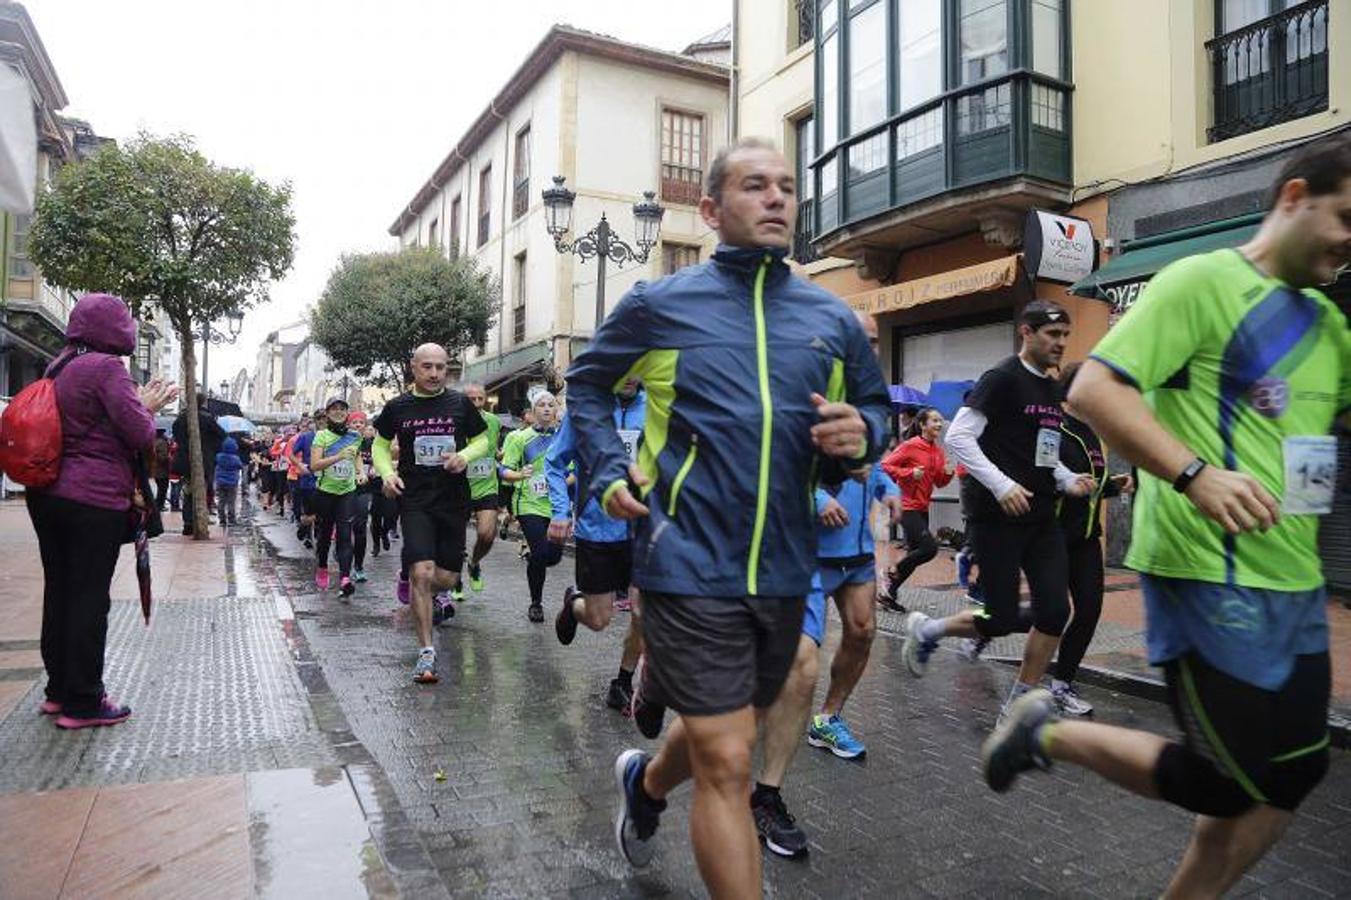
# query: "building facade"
(613, 119)
(966, 156)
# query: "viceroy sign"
(1058, 248)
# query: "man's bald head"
(869, 324)
(429, 364)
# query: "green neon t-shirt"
(1250, 374)
(527, 447)
(483, 472)
(341, 477)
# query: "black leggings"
(79, 546)
(920, 546)
(361, 510)
(543, 553)
(1084, 559)
(332, 510)
(1036, 549)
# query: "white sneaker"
(915, 650)
(972, 648)
(1069, 701)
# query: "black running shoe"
(778, 830)
(619, 696)
(638, 816)
(646, 713)
(565, 623)
(535, 613)
(1014, 746)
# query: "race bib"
(342, 470)
(480, 469)
(429, 449)
(539, 486)
(630, 438)
(1310, 474)
(1048, 448)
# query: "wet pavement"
(503, 769)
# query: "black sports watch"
(1193, 469)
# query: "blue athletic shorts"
(825, 582)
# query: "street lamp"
(234, 321)
(601, 242)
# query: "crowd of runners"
(726, 466)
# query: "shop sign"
(1123, 296)
(987, 276)
(1058, 248)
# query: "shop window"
(682, 157)
(675, 257)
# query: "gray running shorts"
(713, 655)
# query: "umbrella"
(946, 396)
(142, 542)
(236, 425)
(905, 395)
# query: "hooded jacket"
(103, 421)
(730, 352)
(853, 540)
(228, 463)
(593, 524)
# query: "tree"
(157, 222)
(378, 307)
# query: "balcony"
(982, 153)
(802, 250)
(1271, 71)
(805, 25)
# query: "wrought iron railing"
(1271, 71)
(803, 251)
(681, 184)
(520, 198)
(806, 20)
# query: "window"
(921, 133)
(453, 236)
(682, 157)
(1269, 63)
(830, 86)
(1046, 37)
(675, 257)
(19, 265)
(434, 233)
(867, 67)
(1048, 107)
(520, 182)
(518, 302)
(803, 13)
(805, 130)
(919, 31)
(990, 108)
(485, 203)
(984, 39)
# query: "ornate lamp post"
(601, 241)
(235, 323)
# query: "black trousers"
(161, 492)
(79, 545)
(920, 546)
(330, 511)
(361, 511)
(1085, 585)
(543, 553)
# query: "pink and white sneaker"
(108, 713)
(49, 708)
(321, 578)
(402, 592)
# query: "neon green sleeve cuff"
(610, 491)
(384, 463)
(478, 448)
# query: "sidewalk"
(227, 782)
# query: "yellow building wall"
(1142, 98)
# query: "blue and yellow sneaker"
(833, 734)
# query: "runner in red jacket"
(918, 465)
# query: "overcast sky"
(354, 103)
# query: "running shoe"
(646, 713)
(385, 542)
(346, 588)
(49, 708)
(619, 696)
(638, 816)
(1068, 701)
(424, 671)
(524, 552)
(971, 648)
(442, 609)
(108, 713)
(623, 603)
(565, 623)
(456, 593)
(475, 578)
(975, 599)
(832, 733)
(402, 592)
(886, 601)
(359, 576)
(321, 578)
(915, 649)
(309, 544)
(778, 830)
(1015, 745)
(535, 613)
(502, 533)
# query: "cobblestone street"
(279, 743)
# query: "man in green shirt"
(1222, 385)
(484, 488)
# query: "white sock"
(932, 630)
(1058, 685)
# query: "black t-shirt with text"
(1022, 437)
(427, 428)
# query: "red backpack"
(30, 433)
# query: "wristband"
(1193, 469)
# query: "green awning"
(497, 369)
(1120, 281)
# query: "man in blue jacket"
(604, 545)
(758, 383)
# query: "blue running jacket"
(592, 522)
(729, 352)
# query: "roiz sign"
(1058, 248)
